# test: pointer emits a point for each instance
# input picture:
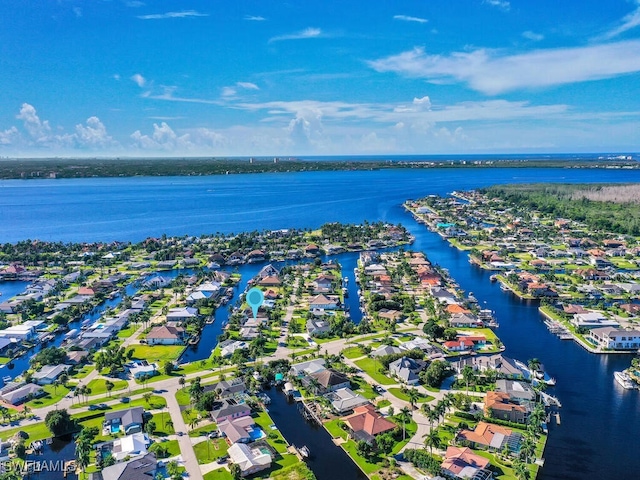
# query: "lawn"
(95, 401)
(163, 428)
(36, 431)
(274, 437)
(98, 386)
(83, 372)
(204, 430)
(219, 474)
(172, 446)
(398, 393)
(334, 429)
(53, 396)
(157, 353)
(371, 366)
(360, 386)
(352, 352)
(127, 332)
(365, 466)
(209, 451)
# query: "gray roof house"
(49, 373)
(143, 468)
(317, 327)
(407, 369)
(128, 421)
(344, 400)
(22, 393)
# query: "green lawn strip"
(83, 372)
(182, 396)
(36, 431)
(127, 332)
(274, 437)
(53, 395)
(219, 474)
(157, 353)
(297, 471)
(209, 451)
(334, 429)
(359, 385)
(172, 446)
(410, 430)
(371, 366)
(98, 386)
(365, 466)
(383, 403)
(107, 398)
(162, 427)
(398, 393)
(505, 471)
(352, 352)
(204, 430)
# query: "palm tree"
(521, 470)
(405, 416)
(432, 439)
(109, 386)
(468, 375)
(413, 395)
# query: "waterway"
(327, 461)
(599, 420)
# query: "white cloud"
(306, 33)
(408, 18)
(93, 134)
(501, 4)
(182, 14)
(535, 37)
(228, 92)
(163, 138)
(36, 128)
(630, 21)
(248, 85)
(9, 136)
(138, 79)
(254, 18)
(491, 72)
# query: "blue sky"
(262, 77)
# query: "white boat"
(624, 380)
(304, 451)
(6, 379)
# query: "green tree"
(59, 422)
(432, 439)
(236, 472)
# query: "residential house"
(229, 410)
(269, 281)
(330, 380)
(229, 388)
(239, 430)
(181, 314)
(407, 369)
(592, 320)
(500, 405)
(631, 308)
(317, 327)
(227, 347)
(344, 400)
(504, 366)
(166, 335)
(323, 284)
(385, 350)
(365, 423)
(465, 320)
(611, 338)
(128, 421)
(142, 468)
(21, 393)
(308, 367)
(49, 374)
(488, 436)
(143, 369)
(519, 392)
(132, 445)
(157, 282)
(462, 463)
(250, 460)
(322, 302)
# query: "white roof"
(246, 458)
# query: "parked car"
(125, 399)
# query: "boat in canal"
(624, 380)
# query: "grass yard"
(219, 474)
(163, 427)
(398, 393)
(204, 430)
(371, 366)
(334, 429)
(36, 431)
(53, 396)
(157, 353)
(353, 352)
(98, 386)
(274, 437)
(172, 446)
(209, 451)
(83, 372)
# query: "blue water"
(599, 421)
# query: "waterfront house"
(323, 284)
(228, 410)
(500, 405)
(631, 308)
(270, 281)
(465, 320)
(488, 436)
(18, 393)
(132, 445)
(197, 296)
(611, 338)
(308, 367)
(407, 369)
(344, 400)
(49, 374)
(239, 430)
(462, 463)
(250, 460)
(166, 335)
(227, 347)
(128, 421)
(519, 392)
(142, 468)
(143, 369)
(504, 366)
(329, 380)
(592, 320)
(23, 331)
(322, 302)
(181, 314)
(157, 282)
(365, 423)
(229, 388)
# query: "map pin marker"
(255, 298)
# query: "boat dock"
(558, 329)
(309, 412)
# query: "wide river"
(598, 431)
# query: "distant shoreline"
(52, 168)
